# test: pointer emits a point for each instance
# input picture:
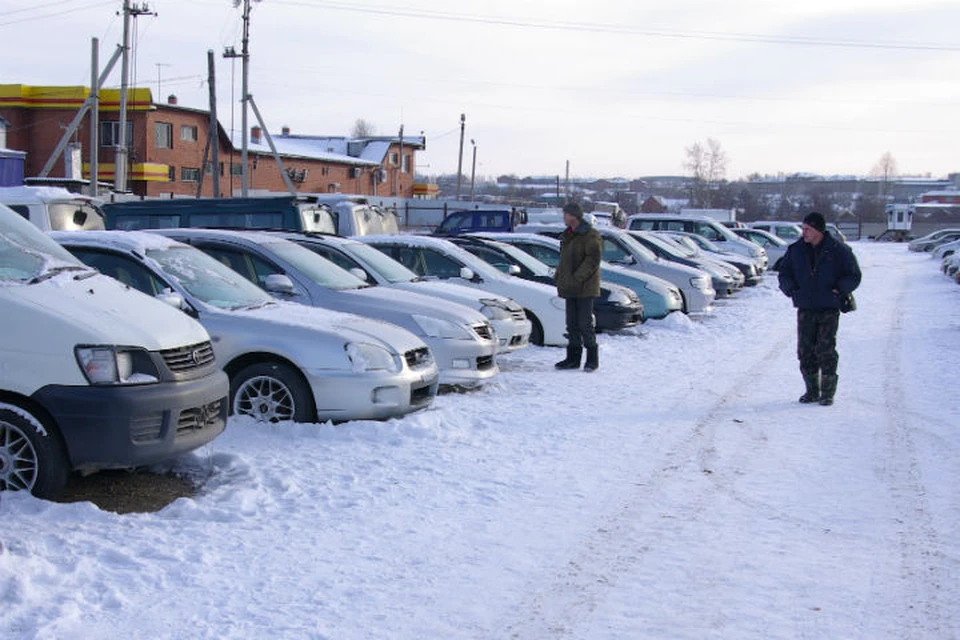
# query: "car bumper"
(699, 300)
(464, 363)
(114, 427)
(512, 334)
(344, 395)
(613, 317)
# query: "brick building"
(167, 142)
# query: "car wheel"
(536, 330)
(32, 455)
(271, 392)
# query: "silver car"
(461, 339)
(507, 317)
(285, 361)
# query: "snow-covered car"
(701, 225)
(440, 258)
(950, 265)
(789, 231)
(726, 279)
(946, 249)
(619, 248)
(658, 297)
(285, 361)
(616, 308)
(507, 317)
(700, 246)
(931, 240)
(461, 339)
(775, 246)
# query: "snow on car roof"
(138, 241)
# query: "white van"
(54, 208)
(356, 216)
(93, 375)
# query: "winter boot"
(572, 361)
(828, 390)
(813, 388)
(593, 359)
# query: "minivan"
(54, 208)
(93, 374)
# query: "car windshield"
(704, 243)
(637, 248)
(538, 268)
(29, 255)
(207, 279)
(669, 246)
(314, 266)
(383, 264)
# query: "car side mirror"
(360, 273)
(467, 273)
(513, 270)
(279, 283)
(171, 298)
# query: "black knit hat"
(573, 209)
(816, 221)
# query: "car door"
(425, 261)
(616, 253)
(340, 259)
(254, 267)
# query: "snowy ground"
(678, 492)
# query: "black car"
(616, 308)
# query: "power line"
(617, 29)
(56, 14)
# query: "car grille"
(189, 358)
(199, 418)
(146, 428)
(518, 314)
(420, 396)
(485, 331)
(417, 358)
(484, 363)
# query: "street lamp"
(473, 171)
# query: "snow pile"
(678, 492)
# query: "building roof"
(360, 152)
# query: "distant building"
(166, 145)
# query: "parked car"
(700, 246)
(919, 244)
(461, 339)
(93, 375)
(54, 207)
(930, 245)
(775, 246)
(616, 308)
(356, 216)
(834, 230)
(946, 249)
(726, 279)
(458, 222)
(619, 248)
(789, 231)
(701, 225)
(440, 258)
(658, 297)
(285, 361)
(509, 321)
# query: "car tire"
(536, 329)
(32, 455)
(271, 392)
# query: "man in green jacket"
(578, 282)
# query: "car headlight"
(370, 357)
(108, 364)
(438, 328)
(559, 303)
(619, 297)
(494, 310)
(700, 282)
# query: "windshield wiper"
(251, 307)
(54, 271)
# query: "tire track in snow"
(575, 590)
(923, 614)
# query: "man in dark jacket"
(815, 273)
(578, 282)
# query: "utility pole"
(120, 156)
(159, 90)
(245, 74)
(473, 171)
(214, 139)
(566, 185)
(94, 117)
(398, 184)
(463, 121)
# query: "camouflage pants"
(817, 341)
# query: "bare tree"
(708, 167)
(716, 159)
(363, 129)
(886, 170)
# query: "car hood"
(394, 305)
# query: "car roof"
(135, 241)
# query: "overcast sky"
(615, 87)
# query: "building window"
(407, 161)
(394, 159)
(236, 169)
(188, 133)
(163, 135)
(189, 174)
(110, 134)
(172, 173)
